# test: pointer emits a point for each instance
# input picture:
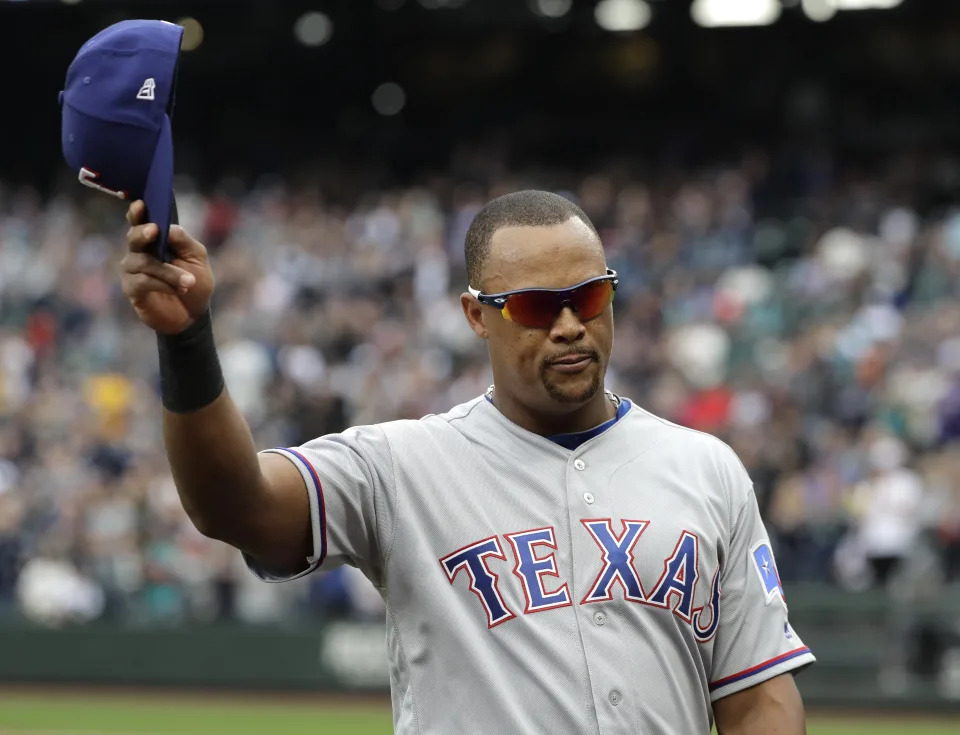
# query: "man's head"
(535, 239)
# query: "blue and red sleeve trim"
(321, 506)
(753, 670)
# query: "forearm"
(209, 445)
(256, 503)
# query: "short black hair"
(527, 208)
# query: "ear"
(474, 314)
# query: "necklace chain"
(613, 397)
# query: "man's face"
(535, 366)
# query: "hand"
(167, 297)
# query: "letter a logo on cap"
(146, 91)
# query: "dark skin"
(259, 504)
(255, 503)
(773, 707)
(528, 391)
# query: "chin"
(575, 392)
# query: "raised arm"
(256, 503)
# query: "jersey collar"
(573, 440)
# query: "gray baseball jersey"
(617, 587)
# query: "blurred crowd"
(803, 311)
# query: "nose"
(567, 327)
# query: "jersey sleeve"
(349, 480)
(755, 641)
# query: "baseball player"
(553, 558)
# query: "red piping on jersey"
(759, 667)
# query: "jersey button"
(599, 618)
(615, 698)
(588, 497)
(579, 464)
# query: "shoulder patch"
(763, 562)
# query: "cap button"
(86, 80)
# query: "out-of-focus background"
(777, 182)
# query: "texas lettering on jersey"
(533, 553)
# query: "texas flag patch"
(767, 571)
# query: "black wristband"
(190, 374)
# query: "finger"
(138, 285)
(183, 244)
(140, 238)
(135, 212)
(177, 278)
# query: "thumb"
(185, 245)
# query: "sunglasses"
(537, 308)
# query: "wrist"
(190, 373)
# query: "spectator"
(887, 510)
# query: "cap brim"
(158, 192)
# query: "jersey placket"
(587, 502)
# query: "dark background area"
(491, 75)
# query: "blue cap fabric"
(116, 106)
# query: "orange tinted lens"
(535, 309)
(592, 299)
(538, 309)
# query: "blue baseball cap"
(117, 105)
